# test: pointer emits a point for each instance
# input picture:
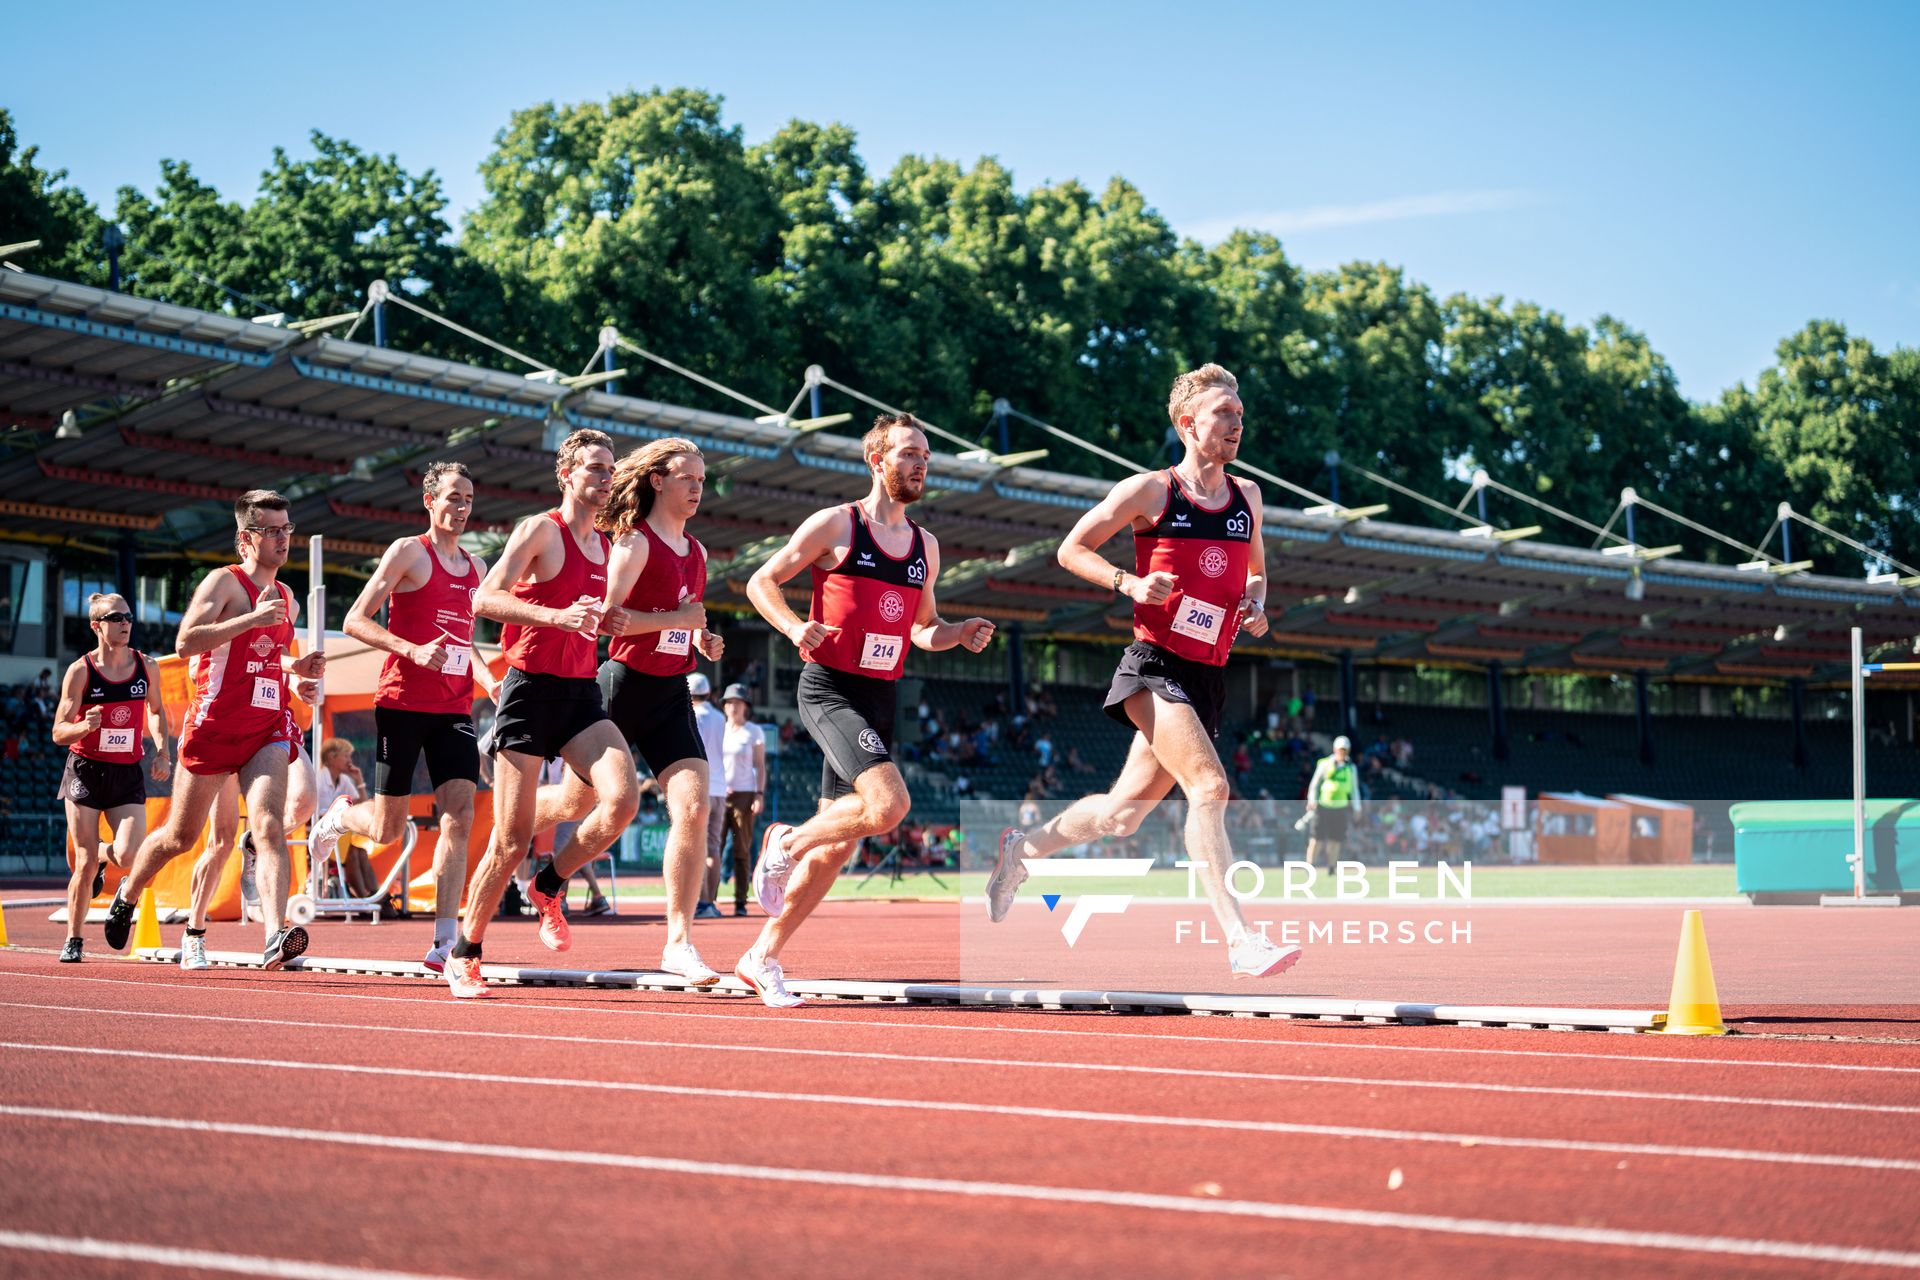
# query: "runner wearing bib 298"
(1199, 576)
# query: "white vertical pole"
(1859, 770)
(316, 636)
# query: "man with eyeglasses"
(237, 635)
(108, 699)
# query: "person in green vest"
(1333, 797)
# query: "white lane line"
(1880, 1163)
(160, 1255)
(1312, 1214)
(851, 1018)
(1127, 1068)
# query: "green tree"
(36, 204)
(187, 246)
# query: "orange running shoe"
(464, 980)
(552, 910)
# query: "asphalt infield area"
(156, 1122)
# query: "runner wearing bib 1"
(419, 710)
(848, 688)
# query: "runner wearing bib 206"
(237, 634)
(873, 578)
(424, 700)
(1199, 576)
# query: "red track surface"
(617, 1132)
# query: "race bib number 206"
(1198, 620)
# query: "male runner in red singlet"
(550, 589)
(1199, 575)
(424, 700)
(119, 687)
(236, 633)
(873, 576)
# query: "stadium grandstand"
(1459, 662)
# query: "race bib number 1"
(119, 741)
(266, 693)
(880, 653)
(459, 659)
(675, 640)
(1198, 620)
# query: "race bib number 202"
(119, 741)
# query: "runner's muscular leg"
(83, 824)
(882, 792)
(599, 752)
(684, 863)
(264, 781)
(1143, 783)
(455, 800)
(193, 796)
(1184, 749)
(221, 835)
(878, 802)
(516, 777)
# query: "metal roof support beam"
(311, 421)
(136, 337)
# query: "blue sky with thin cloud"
(1716, 174)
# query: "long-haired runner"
(549, 588)
(109, 700)
(237, 635)
(1199, 575)
(423, 703)
(873, 574)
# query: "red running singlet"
(1207, 550)
(873, 598)
(123, 713)
(549, 650)
(669, 581)
(442, 608)
(240, 689)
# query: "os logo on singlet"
(1237, 525)
(893, 606)
(871, 744)
(917, 571)
(1213, 562)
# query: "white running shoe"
(193, 953)
(1258, 956)
(767, 978)
(1009, 873)
(774, 869)
(437, 958)
(324, 836)
(681, 960)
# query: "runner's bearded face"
(590, 479)
(1217, 423)
(677, 493)
(903, 467)
(449, 509)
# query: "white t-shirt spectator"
(737, 751)
(712, 723)
(326, 790)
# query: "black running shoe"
(70, 954)
(284, 946)
(120, 926)
(99, 880)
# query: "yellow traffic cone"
(146, 928)
(1694, 1007)
(3, 930)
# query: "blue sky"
(1714, 174)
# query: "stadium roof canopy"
(177, 411)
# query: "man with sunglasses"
(237, 635)
(109, 698)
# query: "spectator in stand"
(1074, 763)
(338, 776)
(743, 768)
(961, 785)
(787, 732)
(1242, 766)
(1030, 810)
(1043, 748)
(712, 725)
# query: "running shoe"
(681, 960)
(70, 954)
(739, 909)
(119, 925)
(598, 905)
(1258, 956)
(323, 837)
(707, 911)
(249, 891)
(552, 910)
(1009, 873)
(99, 880)
(768, 979)
(774, 869)
(284, 946)
(437, 958)
(464, 980)
(193, 952)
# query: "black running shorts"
(851, 718)
(102, 784)
(653, 713)
(1177, 679)
(453, 755)
(1330, 824)
(537, 714)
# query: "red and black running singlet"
(1207, 550)
(441, 609)
(669, 581)
(549, 650)
(240, 688)
(123, 713)
(873, 598)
